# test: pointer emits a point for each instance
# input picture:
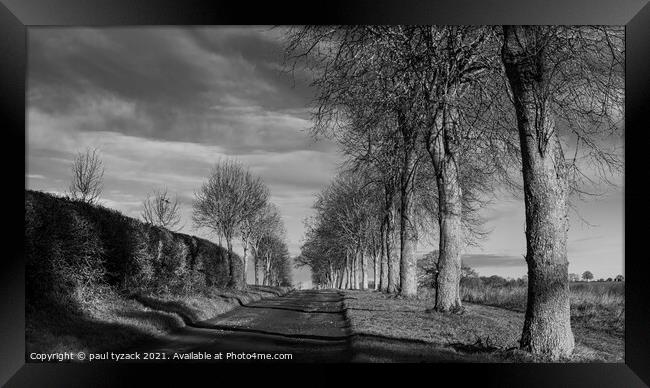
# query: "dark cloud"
(182, 84)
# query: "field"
(594, 305)
(487, 331)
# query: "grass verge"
(109, 321)
(595, 305)
(390, 329)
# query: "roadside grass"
(197, 307)
(104, 320)
(481, 333)
(595, 305)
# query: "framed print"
(217, 188)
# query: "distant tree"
(619, 278)
(87, 176)
(267, 222)
(161, 210)
(467, 272)
(494, 281)
(427, 270)
(587, 275)
(277, 263)
(229, 197)
(574, 277)
(609, 279)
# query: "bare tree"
(276, 261)
(87, 176)
(567, 85)
(415, 79)
(359, 78)
(267, 222)
(373, 155)
(161, 210)
(444, 89)
(344, 233)
(230, 196)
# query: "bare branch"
(87, 176)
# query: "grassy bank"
(110, 321)
(408, 330)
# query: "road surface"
(309, 325)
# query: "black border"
(17, 15)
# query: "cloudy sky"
(164, 104)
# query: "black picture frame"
(16, 16)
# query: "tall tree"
(266, 223)
(447, 61)
(566, 84)
(230, 196)
(276, 261)
(359, 76)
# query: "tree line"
(231, 204)
(433, 120)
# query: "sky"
(163, 105)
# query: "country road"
(313, 326)
(310, 325)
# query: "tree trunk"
(547, 325)
(235, 276)
(267, 270)
(352, 274)
(337, 282)
(245, 266)
(348, 264)
(364, 270)
(393, 260)
(355, 270)
(450, 207)
(337, 279)
(256, 264)
(383, 258)
(376, 270)
(408, 231)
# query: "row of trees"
(434, 118)
(588, 276)
(232, 204)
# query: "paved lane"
(310, 325)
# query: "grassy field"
(594, 305)
(105, 320)
(488, 330)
